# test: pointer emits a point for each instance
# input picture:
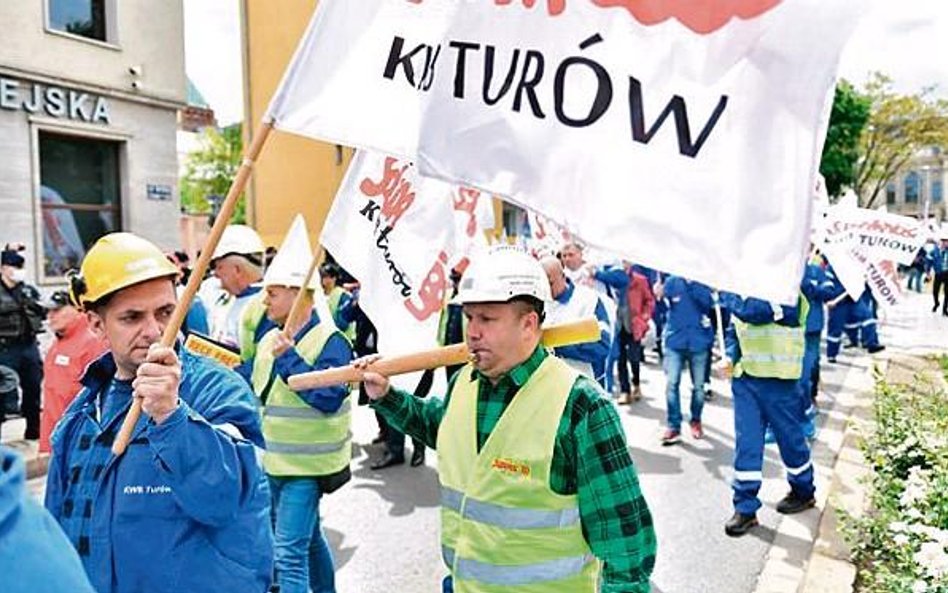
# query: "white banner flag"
(387, 227)
(684, 135)
(864, 247)
(879, 235)
(399, 234)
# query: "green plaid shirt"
(590, 459)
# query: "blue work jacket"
(688, 327)
(186, 508)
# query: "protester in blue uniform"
(34, 553)
(840, 306)
(765, 346)
(186, 507)
(687, 340)
(817, 289)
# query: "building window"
(936, 191)
(79, 197)
(890, 194)
(86, 18)
(912, 183)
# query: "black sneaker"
(740, 524)
(792, 504)
(876, 348)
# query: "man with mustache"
(537, 484)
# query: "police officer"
(21, 319)
(536, 477)
(186, 507)
(765, 350)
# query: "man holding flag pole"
(536, 478)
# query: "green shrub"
(901, 544)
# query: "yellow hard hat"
(117, 261)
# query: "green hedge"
(901, 544)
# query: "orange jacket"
(63, 366)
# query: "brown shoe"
(636, 393)
(624, 398)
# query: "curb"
(808, 541)
(829, 569)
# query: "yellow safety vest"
(333, 299)
(503, 529)
(301, 440)
(250, 318)
(772, 351)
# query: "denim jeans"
(674, 363)
(302, 558)
(915, 279)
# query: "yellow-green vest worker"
(503, 529)
(307, 433)
(254, 324)
(539, 492)
(772, 350)
(337, 298)
(302, 439)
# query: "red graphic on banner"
(396, 191)
(466, 201)
(432, 291)
(701, 16)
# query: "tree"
(210, 170)
(841, 152)
(899, 126)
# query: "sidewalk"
(12, 437)
(910, 331)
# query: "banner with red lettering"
(865, 247)
(683, 135)
(399, 234)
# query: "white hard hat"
(502, 273)
(239, 239)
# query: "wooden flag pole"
(197, 274)
(576, 332)
(297, 310)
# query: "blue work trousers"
(302, 558)
(810, 378)
(757, 403)
(838, 318)
(674, 363)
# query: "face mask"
(18, 275)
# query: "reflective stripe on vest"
(503, 528)
(771, 350)
(492, 514)
(301, 440)
(290, 412)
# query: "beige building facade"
(919, 188)
(89, 98)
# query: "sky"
(906, 39)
